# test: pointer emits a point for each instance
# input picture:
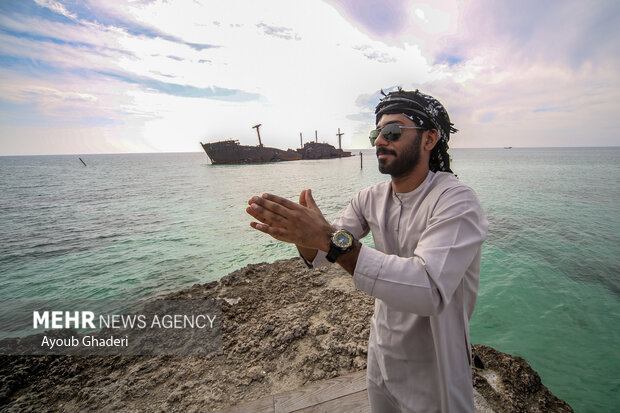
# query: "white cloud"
(541, 106)
(302, 59)
(56, 7)
(305, 63)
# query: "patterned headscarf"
(425, 111)
(422, 109)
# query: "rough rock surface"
(509, 384)
(284, 326)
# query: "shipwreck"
(232, 152)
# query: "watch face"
(343, 239)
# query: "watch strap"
(333, 253)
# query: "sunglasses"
(390, 132)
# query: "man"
(428, 230)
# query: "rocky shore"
(284, 326)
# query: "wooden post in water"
(82, 161)
(258, 132)
(361, 161)
(339, 139)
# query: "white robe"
(424, 274)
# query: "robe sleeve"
(424, 283)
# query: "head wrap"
(422, 109)
(426, 111)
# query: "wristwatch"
(342, 241)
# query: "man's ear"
(429, 140)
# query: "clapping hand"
(302, 224)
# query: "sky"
(117, 76)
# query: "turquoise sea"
(130, 227)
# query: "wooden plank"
(317, 393)
(351, 403)
(262, 405)
(341, 394)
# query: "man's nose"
(381, 141)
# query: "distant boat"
(507, 147)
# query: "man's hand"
(302, 224)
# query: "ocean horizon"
(136, 226)
(353, 150)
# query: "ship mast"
(339, 139)
(258, 132)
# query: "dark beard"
(404, 163)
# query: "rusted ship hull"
(231, 152)
(314, 150)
